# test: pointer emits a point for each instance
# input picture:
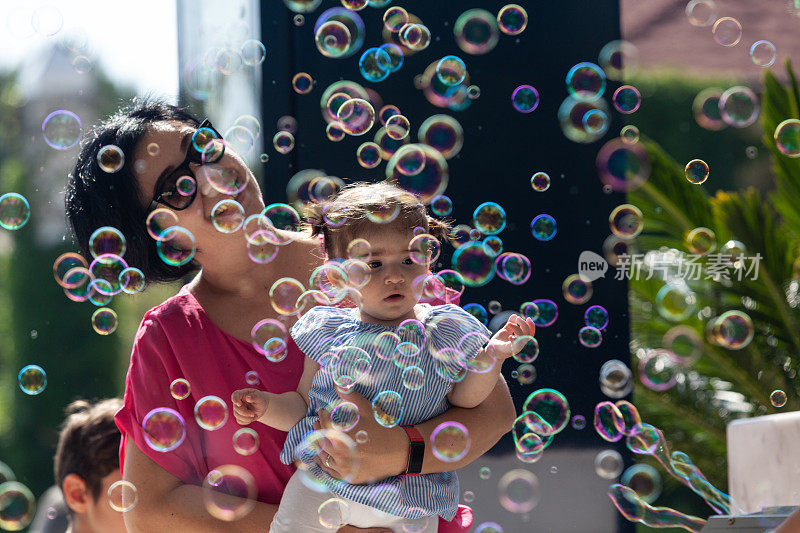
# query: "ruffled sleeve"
(152, 368)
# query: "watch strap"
(416, 451)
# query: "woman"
(203, 335)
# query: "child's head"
(388, 218)
(87, 464)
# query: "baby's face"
(396, 280)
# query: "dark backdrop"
(502, 149)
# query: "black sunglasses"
(201, 150)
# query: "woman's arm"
(167, 504)
(385, 453)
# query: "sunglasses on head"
(179, 189)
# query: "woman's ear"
(76, 494)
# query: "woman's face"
(162, 149)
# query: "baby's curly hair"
(361, 208)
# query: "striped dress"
(440, 349)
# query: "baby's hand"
(510, 339)
(249, 405)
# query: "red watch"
(416, 451)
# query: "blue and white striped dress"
(443, 354)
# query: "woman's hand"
(249, 405)
(510, 339)
(384, 454)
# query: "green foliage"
(724, 384)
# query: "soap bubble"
(245, 441)
(576, 291)
(525, 99)
(727, 31)
(586, 80)
(616, 379)
(540, 181)
(179, 389)
(518, 491)
(627, 99)
(164, 429)
(32, 380)
(450, 441)
(762, 53)
(489, 218)
(543, 227)
(110, 158)
(608, 464)
(739, 106)
(17, 506)
(777, 398)
(644, 479)
(14, 211)
(476, 31)
(701, 12)
(675, 301)
(122, 496)
(658, 369)
(387, 407)
(62, 129)
(696, 171)
(512, 19)
(334, 513)
(211, 412)
(552, 406)
(104, 321)
(626, 221)
(225, 481)
(787, 138)
(451, 70)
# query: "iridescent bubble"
(473, 92)
(110, 158)
(66, 262)
(739, 106)
(608, 464)
(529, 310)
(104, 321)
(179, 389)
(607, 419)
(528, 349)
(658, 370)
(253, 52)
(441, 205)
(626, 221)
(450, 441)
(398, 127)
(17, 506)
(430, 181)
(543, 227)
(302, 83)
(359, 249)
(211, 412)
(283, 141)
(478, 311)
(269, 338)
(375, 65)
(547, 312)
(763, 53)
(552, 406)
(489, 527)
(32, 380)
(451, 70)
(415, 36)
(513, 267)
(733, 330)
(590, 337)
(644, 479)
(727, 31)
(618, 58)
(696, 171)
(476, 31)
(395, 18)
(333, 513)
(283, 295)
(356, 116)
(701, 240)
(333, 39)
(444, 133)
(787, 138)
(525, 98)
(299, 20)
(349, 365)
(643, 439)
(622, 166)
(489, 218)
(540, 181)
(368, 155)
(675, 302)
(159, 220)
(122, 496)
(586, 80)
(62, 129)
(395, 54)
(424, 249)
(388, 146)
(684, 342)
(494, 245)
(302, 6)
(627, 99)
(387, 406)
(583, 119)
(410, 160)
(615, 379)
(629, 134)
(186, 185)
(223, 482)
(518, 491)
(578, 422)
(701, 12)
(596, 316)
(474, 264)
(164, 429)
(512, 19)
(77, 284)
(14, 211)
(227, 215)
(777, 398)
(176, 246)
(706, 109)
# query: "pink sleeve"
(152, 369)
(461, 522)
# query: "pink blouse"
(177, 339)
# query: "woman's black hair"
(95, 198)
